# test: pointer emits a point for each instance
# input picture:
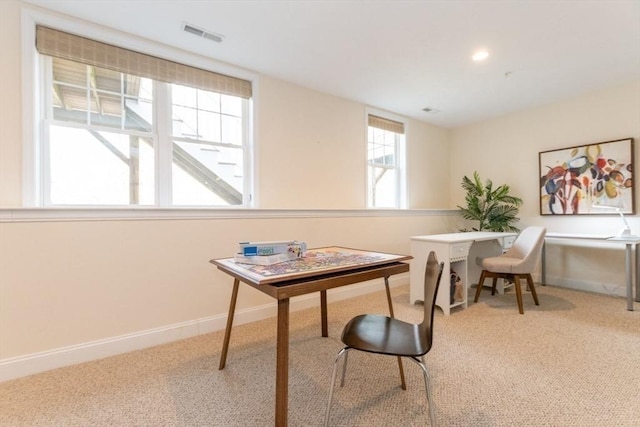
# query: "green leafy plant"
(494, 209)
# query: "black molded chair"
(384, 335)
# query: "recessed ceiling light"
(480, 55)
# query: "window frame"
(401, 160)
(34, 128)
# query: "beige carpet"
(572, 361)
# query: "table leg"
(386, 286)
(323, 313)
(282, 363)
(637, 251)
(227, 332)
(543, 262)
(628, 275)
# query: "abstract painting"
(588, 179)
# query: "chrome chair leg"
(344, 353)
(427, 384)
(344, 367)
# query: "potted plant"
(494, 209)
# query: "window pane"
(185, 122)
(209, 101)
(139, 114)
(208, 126)
(382, 187)
(70, 104)
(99, 168)
(232, 130)
(196, 114)
(112, 99)
(106, 110)
(231, 105)
(383, 172)
(207, 175)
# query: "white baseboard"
(21, 366)
(611, 289)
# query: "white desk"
(454, 250)
(629, 243)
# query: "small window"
(143, 131)
(385, 161)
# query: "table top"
(316, 262)
(599, 237)
(468, 236)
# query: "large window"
(124, 128)
(385, 163)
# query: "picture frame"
(591, 179)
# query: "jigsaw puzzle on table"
(316, 261)
(319, 259)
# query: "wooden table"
(282, 283)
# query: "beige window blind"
(386, 124)
(75, 48)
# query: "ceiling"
(402, 56)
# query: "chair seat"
(375, 333)
(505, 264)
(518, 262)
(383, 335)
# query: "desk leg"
(386, 286)
(227, 332)
(627, 266)
(282, 363)
(637, 251)
(543, 262)
(323, 313)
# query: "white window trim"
(403, 201)
(31, 89)
(17, 215)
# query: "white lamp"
(625, 231)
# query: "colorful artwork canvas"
(588, 179)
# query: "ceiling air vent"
(202, 33)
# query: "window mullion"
(248, 151)
(163, 143)
(43, 147)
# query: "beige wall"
(73, 282)
(66, 285)
(311, 152)
(10, 104)
(506, 151)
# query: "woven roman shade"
(386, 124)
(90, 52)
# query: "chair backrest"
(432, 275)
(527, 247)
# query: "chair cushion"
(383, 335)
(523, 255)
(505, 264)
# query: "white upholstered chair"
(518, 262)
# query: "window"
(124, 128)
(385, 163)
